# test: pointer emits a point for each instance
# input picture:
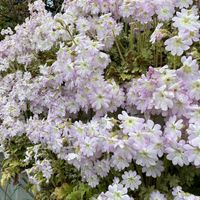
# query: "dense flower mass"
(126, 123)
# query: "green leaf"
(63, 191)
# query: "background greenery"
(13, 12)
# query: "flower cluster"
(55, 92)
(175, 95)
(187, 22)
(166, 91)
(115, 191)
(40, 166)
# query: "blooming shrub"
(102, 100)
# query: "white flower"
(129, 123)
(28, 156)
(176, 153)
(119, 162)
(7, 31)
(106, 123)
(83, 68)
(184, 3)
(168, 76)
(83, 25)
(179, 194)
(4, 65)
(42, 37)
(93, 180)
(157, 34)
(194, 114)
(127, 8)
(177, 45)
(46, 169)
(173, 128)
(99, 100)
(102, 167)
(186, 21)
(189, 69)
(191, 35)
(163, 99)
(72, 156)
(177, 191)
(146, 156)
(156, 195)
(131, 180)
(194, 134)
(164, 9)
(72, 106)
(154, 170)
(12, 109)
(117, 192)
(5, 153)
(102, 196)
(194, 90)
(193, 154)
(88, 146)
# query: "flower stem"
(156, 46)
(71, 36)
(131, 36)
(174, 62)
(118, 48)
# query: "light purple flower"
(156, 195)
(177, 45)
(131, 180)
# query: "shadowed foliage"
(13, 12)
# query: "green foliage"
(13, 165)
(61, 192)
(196, 54)
(132, 54)
(190, 179)
(145, 192)
(69, 192)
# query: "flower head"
(131, 180)
(156, 195)
(177, 45)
